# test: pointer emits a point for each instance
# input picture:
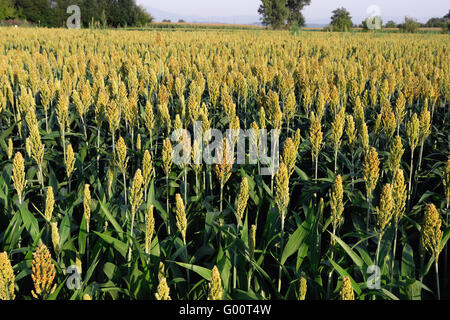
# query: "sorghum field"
(93, 207)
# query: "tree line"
(285, 14)
(53, 13)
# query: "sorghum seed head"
(215, 286)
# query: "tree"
(53, 13)
(296, 17)
(7, 10)
(390, 24)
(341, 20)
(274, 13)
(410, 25)
(437, 22)
(142, 17)
(282, 13)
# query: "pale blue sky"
(319, 9)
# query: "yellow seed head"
(297, 139)
(28, 146)
(121, 155)
(196, 156)
(181, 216)
(282, 190)
(262, 118)
(242, 200)
(136, 192)
(431, 231)
(215, 286)
(395, 154)
(87, 205)
(315, 135)
(10, 148)
(78, 264)
(364, 138)
(18, 175)
(7, 278)
(49, 204)
(399, 109)
(149, 118)
(149, 229)
(336, 202)
(290, 107)
(289, 155)
(167, 154)
(43, 273)
(163, 290)
(425, 123)
(110, 175)
(62, 111)
(385, 210)
(147, 169)
(225, 162)
(413, 132)
(87, 297)
(350, 131)
(113, 116)
(303, 288)
(388, 121)
(70, 161)
(347, 289)
(55, 237)
(371, 170)
(399, 195)
(164, 117)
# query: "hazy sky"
(318, 9)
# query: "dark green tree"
(274, 13)
(7, 10)
(282, 13)
(53, 13)
(341, 20)
(295, 17)
(410, 25)
(390, 24)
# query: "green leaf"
(30, 222)
(111, 219)
(407, 267)
(203, 272)
(117, 244)
(295, 241)
(342, 272)
(356, 259)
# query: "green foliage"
(390, 24)
(280, 14)
(341, 20)
(274, 13)
(410, 25)
(93, 12)
(7, 10)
